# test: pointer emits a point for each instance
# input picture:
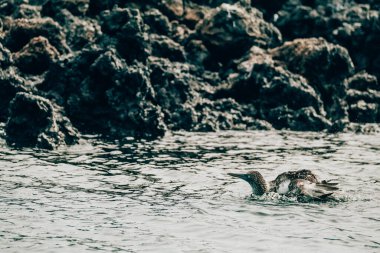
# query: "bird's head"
(255, 180)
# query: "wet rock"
(104, 95)
(140, 68)
(226, 114)
(363, 112)
(269, 8)
(35, 57)
(216, 3)
(97, 6)
(21, 31)
(79, 31)
(283, 98)
(261, 81)
(197, 53)
(10, 84)
(128, 27)
(180, 32)
(157, 22)
(34, 121)
(76, 7)
(325, 65)
(172, 8)
(133, 99)
(363, 98)
(229, 30)
(27, 11)
(322, 63)
(7, 8)
(353, 26)
(304, 119)
(174, 86)
(194, 14)
(363, 81)
(359, 32)
(367, 128)
(165, 47)
(5, 57)
(369, 96)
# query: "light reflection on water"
(174, 195)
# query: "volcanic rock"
(36, 56)
(229, 30)
(35, 121)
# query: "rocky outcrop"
(363, 98)
(34, 121)
(142, 68)
(351, 25)
(229, 30)
(20, 31)
(36, 56)
(325, 66)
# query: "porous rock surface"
(142, 68)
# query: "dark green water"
(174, 195)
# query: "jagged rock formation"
(141, 68)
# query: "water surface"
(174, 195)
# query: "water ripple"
(174, 193)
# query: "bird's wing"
(312, 190)
(293, 175)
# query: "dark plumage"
(301, 183)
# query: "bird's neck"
(259, 188)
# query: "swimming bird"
(301, 183)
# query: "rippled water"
(174, 195)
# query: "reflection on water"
(174, 195)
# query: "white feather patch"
(283, 188)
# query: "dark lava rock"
(276, 92)
(157, 22)
(128, 27)
(80, 31)
(21, 31)
(363, 112)
(304, 119)
(76, 7)
(325, 65)
(363, 98)
(101, 94)
(34, 121)
(229, 30)
(369, 96)
(97, 6)
(261, 81)
(351, 25)
(36, 56)
(363, 81)
(132, 100)
(175, 91)
(197, 53)
(172, 8)
(142, 67)
(27, 11)
(5, 57)
(165, 47)
(322, 63)
(227, 114)
(10, 84)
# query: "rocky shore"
(144, 67)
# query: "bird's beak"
(238, 175)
